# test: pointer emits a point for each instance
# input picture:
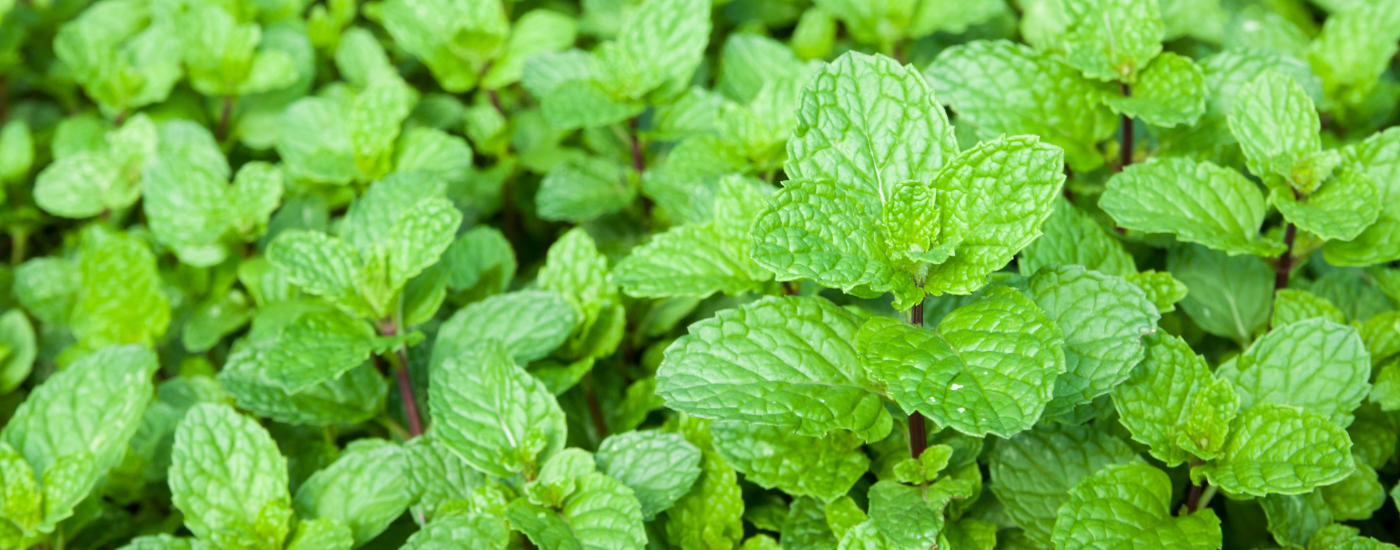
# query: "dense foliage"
(700, 274)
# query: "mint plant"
(695, 275)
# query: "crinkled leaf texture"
(1032, 473)
(824, 468)
(659, 467)
(492, 413)
(787, 362)
(989, 368)
(600, 514)
(1156, 402)
(1199, 202)
(1129, 506)
(1103, 319)
(1279, 449)
(229, 479)
(365, 489)
(1316, 364)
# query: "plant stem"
(639, 163)
(225, 113)
(1125, 153)
(1193, 499)
(410, 404)
(791, 289)
(1285, 261)
(594, 409)
(19, 240)
(918, 436)
(390, 327)
(495, 98)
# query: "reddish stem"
(1125, 154)
(918, 434)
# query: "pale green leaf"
(1170, 91)
(785, 362)
(229, 479)
(1280, 449)
(1032, 473)
(1198, 202)
(659, 467)
(1315, 364)
(987, 369)
(490, 411)
(1130, 505)
(1229, 295)
(364, 489)
(1112, 39)
(823, 468)
(1072, 237)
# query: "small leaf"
(1131, 504)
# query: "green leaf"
(1356, 497)
(364, 489)
(528, 323)
(164, 542)
(1207, 423)
(1353, 49)
(660, 45)
(315, 143)
(455, 40)
(1295, 519)
(1315, 364)
(866, 148)
(16, 151)
(1229, 295)
(1170, 91)
(987, 369)
(991, 202)
(48, 287)
(819, 230)
(576, 269)
(1032, 473)
(321, 534)
(659, 467)
(700, 259)
(1386, 391)
(1293, 305)
(1163, 290)
(318, 263)
(480, 261)
(784, 362)
(584, 189)
(1155, 403)
(357, 396)
(1131, 505)
(229, 479)
(1000, 88)
(297, 345)
(1112, 39)
(1072, 237)
(1379, 156)
(461, 530)
(903, 517)
(806, 527)
(490, 411)
(601, 514)
(1278, 129)
(18, 340)
(537, 31)
(1198, 202)
(122, 300)
(1279, 449)
(438, 477)
(1344, 207)
(710, 516)
(823, 468)
(1102, 319)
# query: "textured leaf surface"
(1102, 319)
(1170, 91)
(1112, 39)
(822, 468)
(528, 323)
(1379, 242)
(229, 479)
(1228, 296)
(1277, 127)
(1072, 237)
(785, 362)
(1280, 449)
(364, 489)
(1198, 202)
(1002, 88)
(1130, 506)
(1032, 473)
(1155, 403)
(659, 467)
(1315, 364)
(987, 369)
(490, 411)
